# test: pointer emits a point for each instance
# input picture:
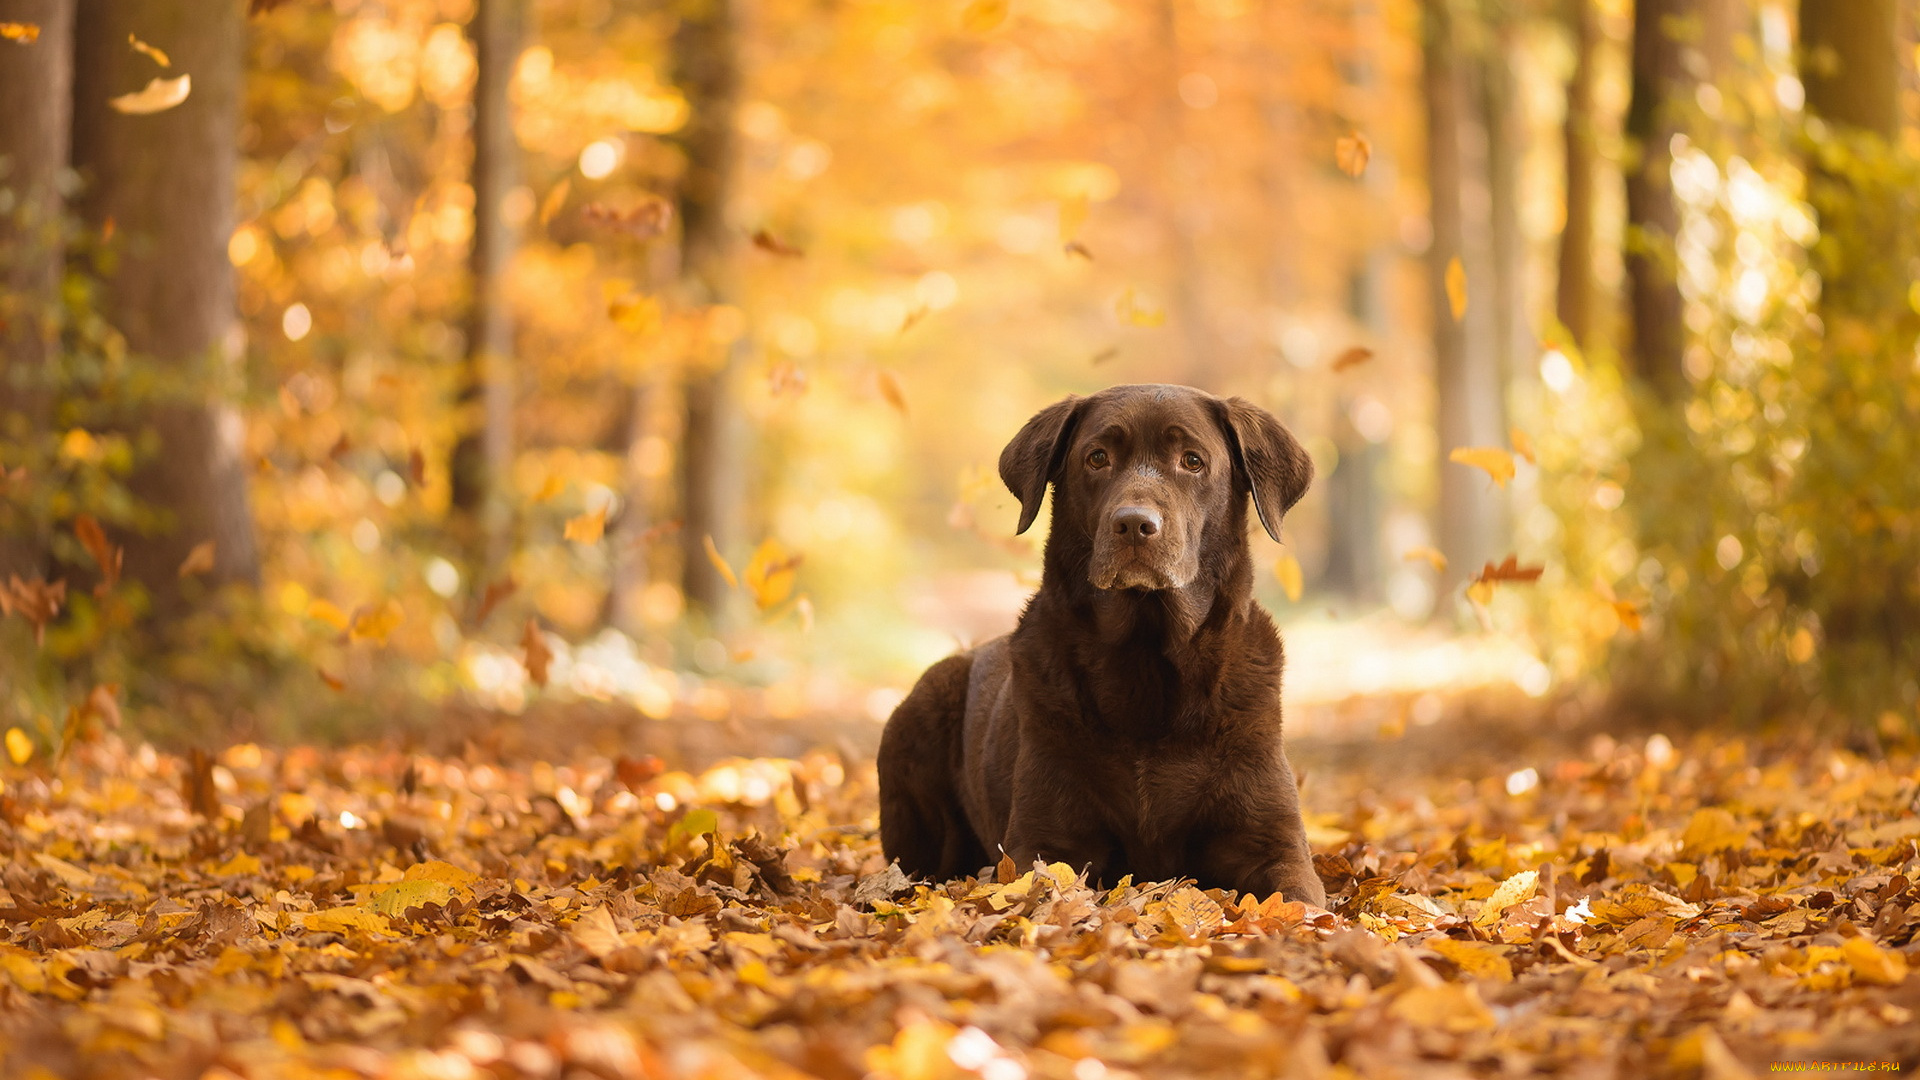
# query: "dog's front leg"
(1051, 820)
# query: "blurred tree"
(166, 183)
(1467, 382)
(1660, 84)
(483, 458)
(1506, 126)
(1574, 289)
(36, 81)
(713, 447)
(1849, 64)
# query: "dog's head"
(1146, 474)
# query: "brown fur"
(1130, 724)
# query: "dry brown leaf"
(1353, 357)
(535, 653)
(106, 555)
(768, 243)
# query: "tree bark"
(1653, 218)
(1467, 386)
(167, 182)
(483, 458)
(1850, 65)
(1506, 127)
(1574, 292)
(713, 449)
(1851, 71)
(36, 80)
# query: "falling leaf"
(78, 444)
(1497, 462)
(890, 389)
(913, 318)
(19, 746)
(1353, 357)
(766, 242)
(106, 555)
(803, 607)
(1628, 614)
(496, 591)
(1522, 444)
(416, 468)
(770, 573)
(334, 682)
(556, 198)
(535, 653)
(36, 601)
(199, 560)
(1352, 152)
(1511, 570)
(719, 563)
(157, 96)
(587, 528)
(1457, 288)
(1432, 556)
(632, 311)
(327, 612)
(24, 33)
(1134, 311)
(983, 16)
(554, 485)
(1075, 247)
(377, 624)
(150, 52)
(1286, 569)
(197, 785)
(1105, 355)
(643, 222)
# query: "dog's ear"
(1032, 459)
(1276, 467)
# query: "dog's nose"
(1136, 523)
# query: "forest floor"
(547, 901)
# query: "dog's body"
(1131, 722)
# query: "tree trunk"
(713, 450)
(166, 181)
(36, 80)
(1850, 65)
(483, 458)
(1851, 70)
(1466, 379)
(1573, 298)
(1653, 218)
(1506, 125)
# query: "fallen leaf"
(1453, 1007)
(1497, 462)
(157, 96)
(199, 560)
(1287, 570)
(1711, 830)
(1873, 964)
(535, 652)
(587, 528)
(1516, 889)
(149, 52)
(1457, 288)
(1352, 152)
(1476, 958)
(327, 612)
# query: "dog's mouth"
(1131, 569)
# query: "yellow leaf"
(1287, 569)
(1454, 1007)
(150, 52)
(1135, 311)
(595, 931)
(1497, 462)
(1874, 964)
(73, 876)
(327, 612)
(241, 865)
(1515, 890)
(19, 747)
(1352, 152)
(1629, 615)
(25, 33)
(587, 528)
(981, 16)
(555, 484)
(719, 563)
(1073, 215)
(1193, 912)
(396, 899)
(199, 560)
(1713, 829)
(635, 313)
(770, 573)
(444, 872)
(344, 920)
(1432, 555)
(556, 198)
(1457, 288)
(157, 96)
(78, 444)
(1522, 444)
(1476, 958)
(379, 624)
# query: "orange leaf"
(1457, 288)
(94, 539)
(1497, 462)
(770, 573)
(720, 563)
(149, 51)
(1522, 444)
(1287, 570)
(25, 33)
(766, 242)
(538, 656)
(890, 389)
(1352, 152)
(157, 96)
(1353, 357)
(587, 528)
(495, 592)
(378, 624)
(1511, 570)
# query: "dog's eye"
(1097, 459)
(1192, 462)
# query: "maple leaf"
(1497, 462)
(1352, 152)
(159, 95)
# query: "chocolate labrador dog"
(1130, 724)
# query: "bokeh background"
(432, 357)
